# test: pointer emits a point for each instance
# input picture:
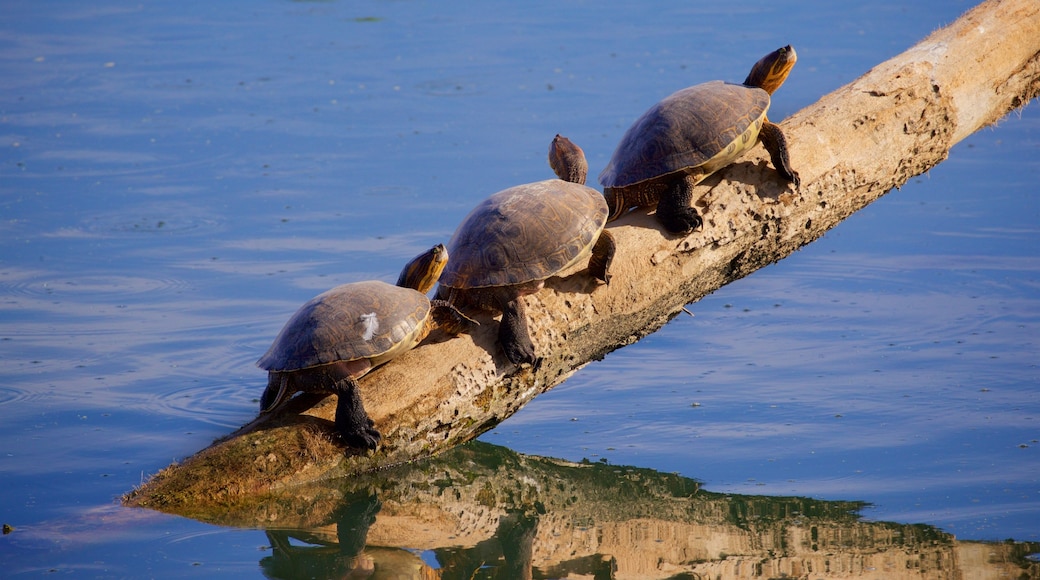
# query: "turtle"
(340, 335)
(517, 238)
(691, 134)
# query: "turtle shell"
(525, 233)
(688, 129)
(363, 320)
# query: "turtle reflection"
(482, 511)
(317, 553)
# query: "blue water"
(176, 178)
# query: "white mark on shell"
(370, 323)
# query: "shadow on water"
(484, 511)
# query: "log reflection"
(482, 511)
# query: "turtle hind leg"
(602, 256)
(674, 210)
(352, 422)
(513, 334)
(773, 140)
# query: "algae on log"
(486, 508)
(896, 121)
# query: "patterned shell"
(524, 233)
(685, 130)
(349, 322)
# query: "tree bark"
(896, 121)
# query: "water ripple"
(216, 404)
(11, 394)
(46, 284)
(147, 224)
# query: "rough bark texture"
(896, 121)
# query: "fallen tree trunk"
(898, 120)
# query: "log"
(896, 121)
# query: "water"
(176, 179)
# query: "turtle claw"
(675, 211)
(519, 354)
(364, 439)
(797, 181)
(683, 221)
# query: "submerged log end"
(242, 465)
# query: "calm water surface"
(175, 179)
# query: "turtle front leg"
(352, 422)
(616, 206)
(674, 211)
(776, 144)
(450, 319)
(513, 334)
(602, 256)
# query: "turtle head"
(568, 160)
(277, 392)
(423, 271)
(771, 71)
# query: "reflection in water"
(164, 215)
(482, 511)
(327, 555)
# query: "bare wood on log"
(896, 121)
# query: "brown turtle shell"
(369, 320)
(687, 129)
(525, 233)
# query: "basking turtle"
(347, 331)
(692, 134)
(515, 239)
